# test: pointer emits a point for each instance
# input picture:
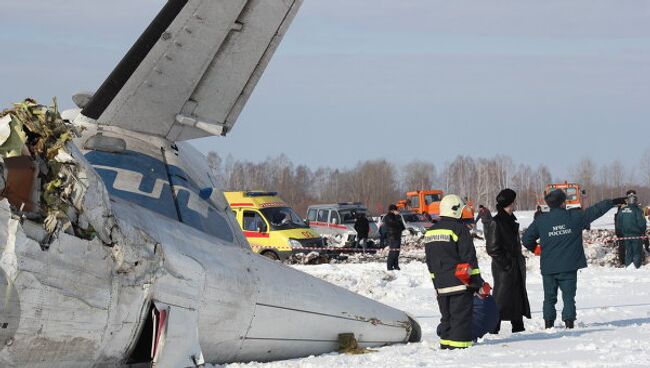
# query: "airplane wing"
(191, 72)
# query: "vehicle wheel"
(271, 254)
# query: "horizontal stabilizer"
(191, 72)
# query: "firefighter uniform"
(448, 244)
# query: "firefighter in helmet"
(451, 259)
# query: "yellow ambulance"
(272, 228)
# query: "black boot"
(496, 329)
(518, 326)
(548, 324)
(568, 323)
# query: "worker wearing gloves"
(451, 259)
(562, 252)
(631, 223)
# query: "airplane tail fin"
(191, 72)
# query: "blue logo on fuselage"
(144, 180)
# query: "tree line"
(378, 183)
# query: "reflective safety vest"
(447, 244)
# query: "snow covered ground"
(613, 327)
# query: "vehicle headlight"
(294, 243)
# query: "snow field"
(612, 330)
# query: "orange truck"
(576, 197)
(428, 202)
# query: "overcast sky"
(542, 81)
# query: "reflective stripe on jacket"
(448, 244)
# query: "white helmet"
(452, 206)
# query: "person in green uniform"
(632, 224)
(562, 254)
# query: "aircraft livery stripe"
(132, 60)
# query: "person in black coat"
(362, 227)
(393, 226)
(508, 263)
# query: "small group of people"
(555, 236)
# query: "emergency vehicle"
(336, 222)
(576, 197)
(427, 202)
(272, 228)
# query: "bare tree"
(541, 178)
(644, 168)
(523, 183)
(585, 173)
(377, 183)
(617, 178)
(418, 175)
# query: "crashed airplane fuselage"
(146, 265)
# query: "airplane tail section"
(191, 72)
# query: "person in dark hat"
(393, 226)
(557, 237)
(503, 244)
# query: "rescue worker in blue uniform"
(451, 259)
(562, 253)
(632, 224)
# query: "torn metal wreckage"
(92, 279)
(116, 247)
(40, 176)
